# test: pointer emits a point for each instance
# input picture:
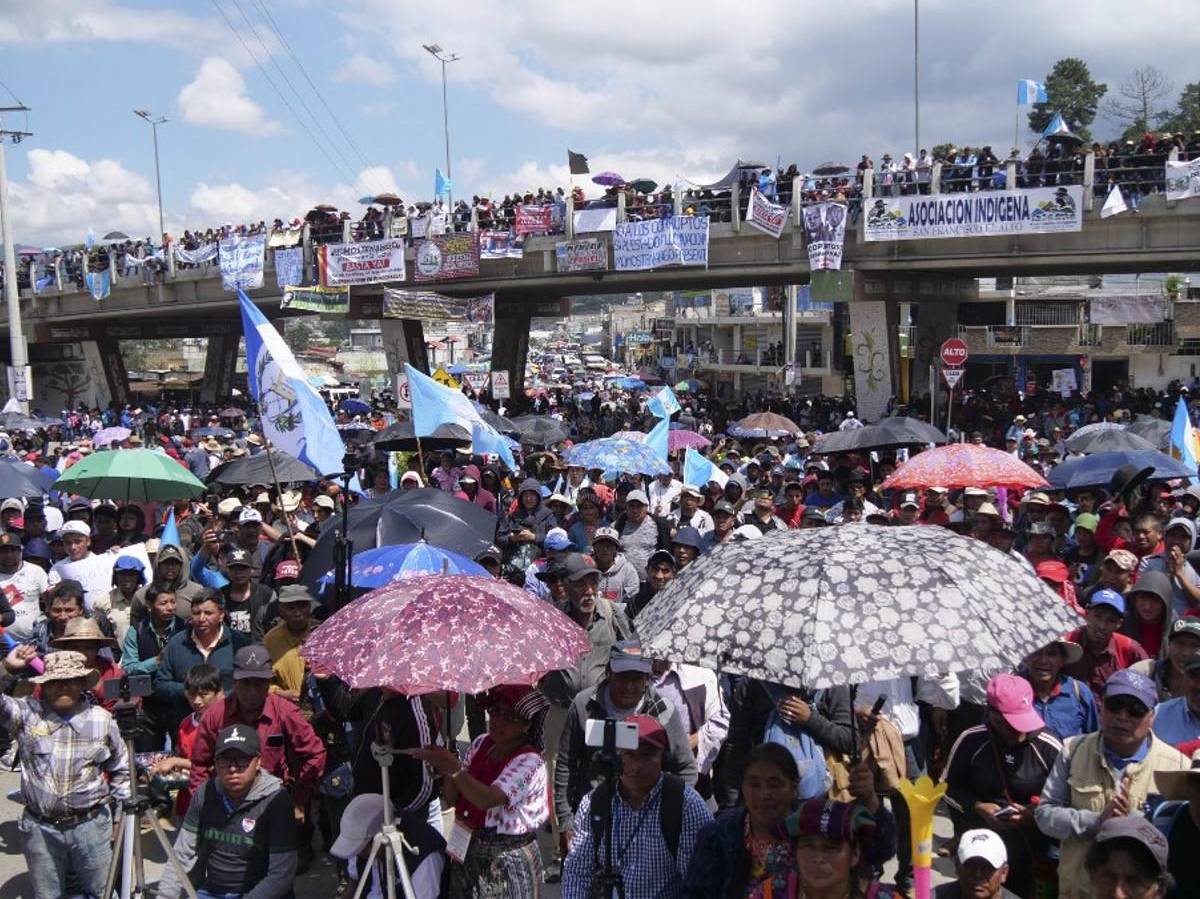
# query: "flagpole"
(278, 490)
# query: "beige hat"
(988, 509)
(1174, 784)
(1037, 499)
(228, 506)
(66, 665)
(82, 630)
(324, 502)
(211, 445)
(263, 498)
(290, 501)
(254, 440)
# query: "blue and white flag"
(1030, 92)
(99, 284)
(1058, 125)
(699, 470)
(294, 417)
(433, 405)
(441, 184)
(663, 404)
(90, 240)
(1183, 444)
(659, 440)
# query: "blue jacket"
(179, 655)
(1071, 711)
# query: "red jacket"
(290, 748)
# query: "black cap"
(554, 570)
(724, 506)
(578, 566)
(660, 556)
(252, 662)
(237, 738)
(10, 539)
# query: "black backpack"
(670, 811)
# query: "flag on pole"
(1114, 204)
(577, 163)
(698, 470)
(658, 439)
(433, 405)
(441, 184)
(294, 417)
(1030, 92)
(1183, 444)
(170, 532)
(1058, 125)
(663, 404)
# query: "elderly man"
(73, 764)
(1104, 775)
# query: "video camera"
(130, 686)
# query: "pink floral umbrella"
(958, 465)
(676, 440)
(445, 632)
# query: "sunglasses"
(1126, 705)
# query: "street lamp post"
(18, 381)
(444, 57)
(155, 121)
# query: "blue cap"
(1129, 683)
(688, 536)
(556, 538)
(37, 548)
(1107, 597)
(130, 563)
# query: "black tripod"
(606, 879)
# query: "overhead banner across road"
(367, 262)
(433, 307)
(1038, 210)
(675, 240)
(447, 256)
(327, 300)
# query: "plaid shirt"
(68, 765)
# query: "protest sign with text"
(765, 215)
(1183, 180)
(674, 240)
(825, 231)
(328, 300)
(433, 307)
(447, 256)
(586, 255)
(500, 245)
(1035, 210)
(241, 260)
(366, 262)
(532, 219)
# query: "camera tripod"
(389, 842)
(127, 856)
(607, 882)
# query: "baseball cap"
(1141, 831)
(724, 506)
(1012, 696)
(1123, 559)
(553, 571)
(237, 738)
(975, 491)
(287, 570)
(362, 819)
(626, 655)
(693, 490)
(637, 496)
(983, 844)
(492, 552)
(1186, 625)
(252, 662)
(664, 557)
(1088, 521)
(578, 566)
(249, 514)
(238, 557)
(606, 534)
(76, 527)
(290, 593)
(650, 731)
(1037, 499)
(557, 539)
(10, 539)
(12, 503)
(910, 500)
(1107, 597)
(1129, 683)
(1041, 529)
(688, 536)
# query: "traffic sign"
(500, 385)
(954, 352)
(403, 395)
(952, 376)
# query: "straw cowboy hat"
(66, 665)
(82, 630)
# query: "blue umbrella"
(616, 454)
(373, 568)
(1097, 469)
(631, 384)
(355, 407)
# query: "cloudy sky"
(666, 90)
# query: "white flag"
(1115, 204)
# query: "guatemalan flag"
(663, 404)
(294, 417)
(441, 184)
(1184, 443)
(699, 470)
(1030, 92)
(434, 404)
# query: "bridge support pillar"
(220, 361)
(404, 341)
(510, 348)
(104, 359)
(873, 333)
(937, 322)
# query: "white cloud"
(362, 69)
(61, 21)
(216, 98)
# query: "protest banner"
(1063, 382)
(764, 215)
(675, 240)
(1035, 210)
(1183, 180)
(532, 219)
(327, 300)
(587, 255)
(204, 253)
(241, 260)
(433, 307)
(603, 218)
(366, 262)
(418, 227)
(447, 256)
(500, 384)
(825, 231)
(1127, 310)
(500, 245)
(476, 380)
(289, 267)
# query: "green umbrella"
(131, 475)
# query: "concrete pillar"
(510, 349)
(620, 206)
(404, 341)
(107, 371)
(872, 347)
(306, 243)
(936, 323)
(735, 206)
(569, 217)
(1010, 175)
(220, 362)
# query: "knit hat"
(846, 822)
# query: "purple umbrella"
(111, 435)
(608, 179)
(677, 440)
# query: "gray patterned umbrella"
(1108, 440)
(851, 604)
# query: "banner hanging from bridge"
(1127, 310)
(586, 255)
(764, 215)
(289, 267)
(532, 219)
(1036, 210)
(326, 300)
(500, 245)
(241, 260)
(206, 252)
(674, 240)
(603, 218)
(447, 256)
(434, 307)
(367, 262)
(1183, 180)
(825, 231)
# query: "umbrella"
(232, 412)
(446, 632)
(1097, 469)
(386, 200)
(630, 383)
(497, 421)
(1108, 440)
(1155, 430)
(958, 465)
(220, 433)
(385, 564)
(765, 424)
(689, 385)
(1098, 426)
(684, 439)
(608, 179)
(17, 421)
(848, 605)
(257, 470)
(401, 438)
(22, 481)
(111, 435)
(325, 207)
(643, 185)
(407, 516)
(130, 475)
(116, 235)
(896, 431)
(616, 454)
(540, 430)
(355, 407)
(831, 168)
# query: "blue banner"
(241, 261)
(289, 267)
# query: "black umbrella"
(406, 516)
(257, 470)
(540, 430)
(20, 480)
(400, 438)
(897, 431)
(17, 421)
(221, 433)
(232, 412)
(831, 168)
(499, 422)
(1109, 440)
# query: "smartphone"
(1008, 811)
(625, 735)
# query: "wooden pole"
(278, 489)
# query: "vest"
(1092, 783)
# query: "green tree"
(941, 151)
(1137, 104)
(1071, 91)
(1186, 116)
(300, 335)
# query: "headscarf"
(847, 822)
(528, 702)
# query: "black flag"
(577, 163)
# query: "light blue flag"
(698, 470)
(205, 576)
(90, 240)
(1183, 437)
(487, 440)
(99, 284)
(441, 184)
(170, 533)
(434, 404)
(663, 404)
(1030, 92)
(393, 471)
(1058, 125)
(658, 440)
(294, 417)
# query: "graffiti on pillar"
(69, 379)
(872, 363)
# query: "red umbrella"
(446, 632)
(957, 465)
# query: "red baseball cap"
(650, 731)
(1012, 697)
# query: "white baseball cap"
(75, 527)
(360, 822)
(249, 514)
(984, 844)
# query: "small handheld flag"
(663, 404)
(1114, 204)
(1183, 444)
(1058, 125)
(170, 532)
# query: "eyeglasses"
(233, 762)
(1126, 705)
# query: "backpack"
(815, 779)
(670, 811)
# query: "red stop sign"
(954, 352)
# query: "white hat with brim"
(66, 664)
(361, 820)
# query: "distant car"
(558, 373)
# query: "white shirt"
(901, 706)
(93, 571)
(23, 588)
(701, 521)
(663, 496)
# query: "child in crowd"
(202, 687)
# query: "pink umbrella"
(445, 632)
(681, 439)
(964, 465)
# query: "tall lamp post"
(18, 375)
(155, 121)
(444, 57)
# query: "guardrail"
(1157, 334)
(1048, 314)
